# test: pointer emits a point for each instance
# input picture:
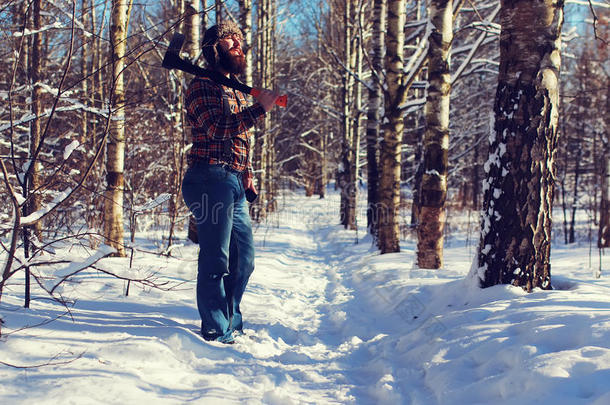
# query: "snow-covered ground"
(327, 321)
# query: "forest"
(433, 160)
(422, 109)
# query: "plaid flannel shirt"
(220, 138)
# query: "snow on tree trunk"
(433, 191)
(115, 149)
(515, 239)
(389, 182)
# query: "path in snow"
(327, 322)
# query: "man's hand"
(267, 99)
(250, 189)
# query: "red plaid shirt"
(218, 137)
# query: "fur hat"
(212, 36)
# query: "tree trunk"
(245, 20)
(192, 28)
(84, 130)
(389, 184)
(604, 208)
(218, 9)
(115, 149)
(264, 149)
(516, 224)
(436, 139)
(575, 203)
(33, 179)
(374, 116)
(348, 188)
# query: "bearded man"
(218, 175)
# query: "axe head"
(172, 55)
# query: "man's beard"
(234, 64)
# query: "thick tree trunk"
(374, 116)
(389, 184)
(115, 149)
(192, 27)
(516, 225)
(436, 139)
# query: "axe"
(172, 60)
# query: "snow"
(70, 148)
(327, 322)
(35, 216)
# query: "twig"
(49, 363)
(595, 20)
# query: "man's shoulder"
(203, 81)
(203, 84)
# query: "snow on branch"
(76, 267)
(37, 215)
(160, 199)
(27, 32)
(74, 107)
(475, 47)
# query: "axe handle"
(174, 61)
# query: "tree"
(115, 152)
(603, 240)
(433, 191)
(515, 238)
(375, 99)
(245, 20)
(389, 182)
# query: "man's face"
(232, 58)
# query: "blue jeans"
(215, 196)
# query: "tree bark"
(374, 116)
(245, 20)
(604, 222)
(515, 239)
(192, 28)
(348, 187)
(115, 149)
(33, 179)
(389, 183)
(436, 139)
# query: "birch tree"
(375, 101)
(604, 223)
(516, 224)
(32, 179)
(115, 152)
(433, 192)
(389, 182)
(346, 167)
(245, 21)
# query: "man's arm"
(204, 106)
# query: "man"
(214, 185)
